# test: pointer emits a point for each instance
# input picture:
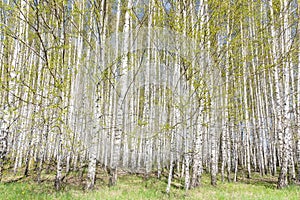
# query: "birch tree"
(173, 87)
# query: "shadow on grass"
(267, 182)
(14, 180)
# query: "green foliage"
(142, 123)
(167, 127)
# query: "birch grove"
(173, 89)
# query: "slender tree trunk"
(120, 106)
(170, 176)
(245, 99)
(287, 139)
(3, 147)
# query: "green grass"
(135, 187)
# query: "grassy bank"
(134, 187)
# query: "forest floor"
(135, 187)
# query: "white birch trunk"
(245, 99)
(120, 107)
(287, 139)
